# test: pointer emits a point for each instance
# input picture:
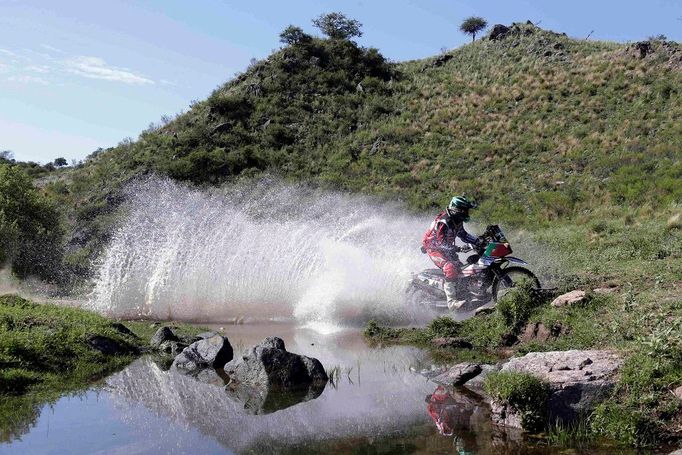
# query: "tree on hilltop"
(60, 162)
(472, 25)
(338, 26)
(293, 35)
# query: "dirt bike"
(487, 276)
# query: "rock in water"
(268, 364)
(458, 375)
(213, 352)
(578, 380)
(161, 335)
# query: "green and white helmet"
(460, 206)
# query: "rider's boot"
(454, 295)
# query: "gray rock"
(476, 383)
(273, 343)
(458, 374)
(106, 345)
(172, 347)
(120, 328)
(451, 343)
(570, 298)
(678, 393)
(161, 335)
(269, 364)
(204, 335)
(677, 452)
(212, 352)
(498, 32)
(578, 380)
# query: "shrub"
(30, 227)
(444, 326)
(517, 305)
(522, 392)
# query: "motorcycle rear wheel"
(509, 278)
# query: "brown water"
(380, 403)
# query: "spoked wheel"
(510, 277)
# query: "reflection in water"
(376, 406)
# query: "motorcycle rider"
(439, 243)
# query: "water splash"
(263, 250)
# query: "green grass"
(523, 392)
(45, 354)
(45, 347)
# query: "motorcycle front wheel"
(509, 278)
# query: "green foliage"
(518, 303)
(444, 326)
(30, 229)
(294, 35)
(523, 392)
(46, 346)
(473, 25)
(338, 26)
(623, 424)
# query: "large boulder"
(269, 364)
(458, 375)
(578, 381)
(213, 352)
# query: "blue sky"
(78, 75)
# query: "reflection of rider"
(449, 414)
(436, 407)
(439, 243)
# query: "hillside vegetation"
(537, 126)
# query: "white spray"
(266, 250)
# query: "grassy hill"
(537, 126)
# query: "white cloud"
(51, 48)
(96, 68)
(42, 69)
(8, 53)
(25, 79)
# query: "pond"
(379, 402)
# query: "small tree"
(473, 25)
(293, 35)
(338, 26)
(6, 155)
(60, 162)
(30, 226)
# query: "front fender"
(516, 260)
